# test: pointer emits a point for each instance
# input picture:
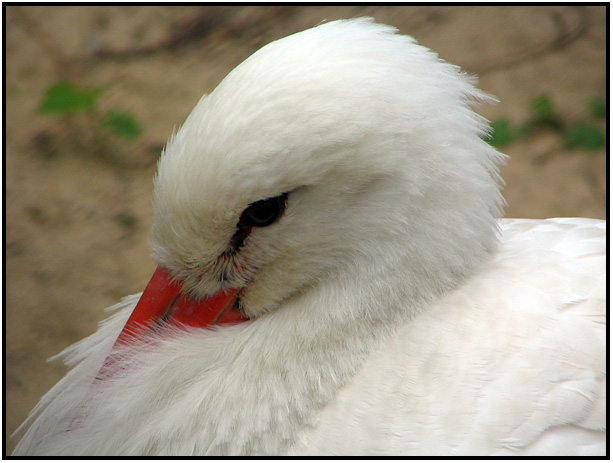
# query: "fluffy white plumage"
(386, 319)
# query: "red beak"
(163, 303)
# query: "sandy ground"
(78, 203)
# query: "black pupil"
(265, 212)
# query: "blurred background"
(93, 92)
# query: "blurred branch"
(566, 34)
(221, 24)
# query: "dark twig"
(566, 35)
(205, 24)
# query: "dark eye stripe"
(258, 214)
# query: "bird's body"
(518, 370)
(336, 188)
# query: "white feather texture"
(388, 317)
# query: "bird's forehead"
(235, 154)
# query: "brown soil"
(78, 202)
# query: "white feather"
(385, 317)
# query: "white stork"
(334, 278)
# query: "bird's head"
(338, 150)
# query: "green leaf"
(122, 123)
(65, 97)
(502, 132)
(598, 107)
(543, 114)
(586, 136)
(542, 106)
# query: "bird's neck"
(296, 358)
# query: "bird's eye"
(263, 213)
